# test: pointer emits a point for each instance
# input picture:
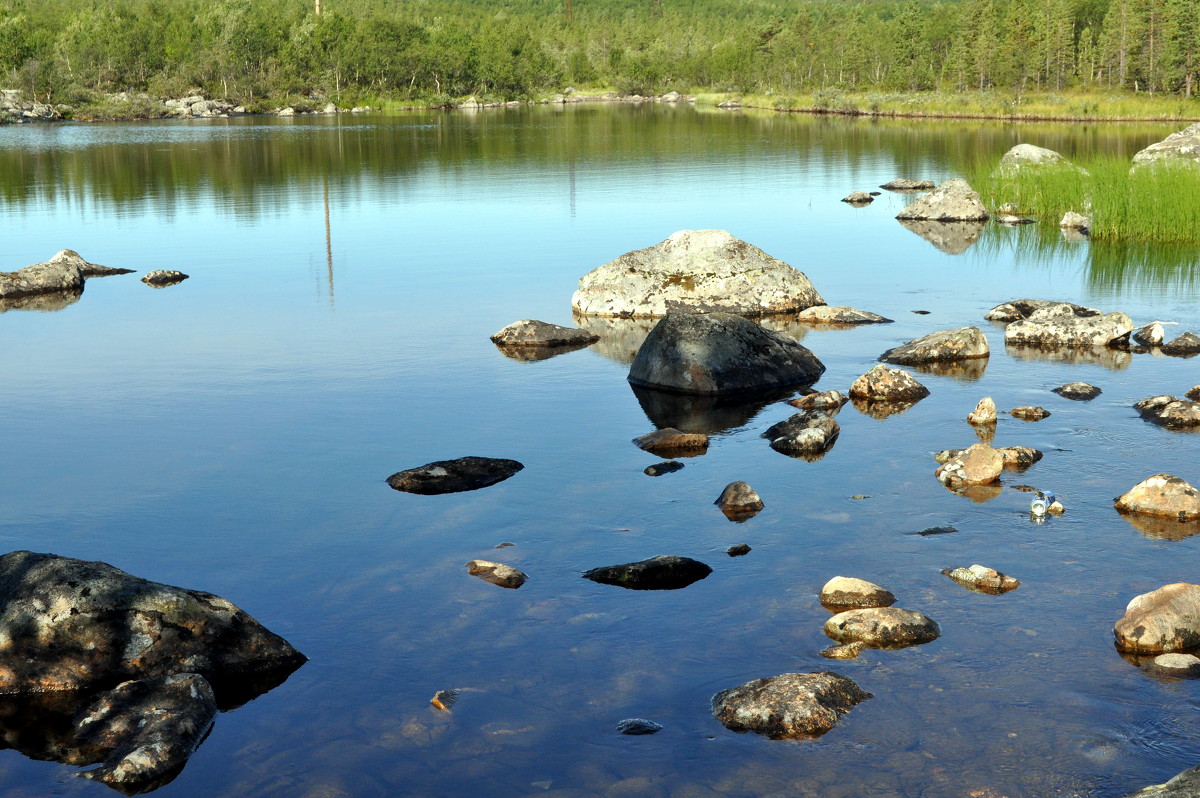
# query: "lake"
(233, 434)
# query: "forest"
(433, 51)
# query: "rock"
(454, 476)
(497, 573)
(530, 332)
(739, 501)
(882, 627)
(160, 278)
(1018, 458)
(1194, 394)
(730, 105)
(73, 258)
(1023, 308)
(720, 353)
(1162, 496)
(1075, 221)
(41, 278)
(935, 530)
(1185, 345)
(982, 580)
(1184, 785)
(984, 412)
(145, 730)
(1162, 621)
(330, 108)
(946, 345)
(809, 432)
(1024, 156)
(1183, 666)
(658, 469)
(788, 706)
(664, 572)
(858, 198)
(830, 401)
(1169, 411)
(1077, 391)
(840, 315)
(697, 271)
(952, 201)
(1059, 326)
(288, 111)
(1150, 335)
(738, 550)
(1013, 221)
(885, 384)
(671, 442)
(671, 97)
(848, 651)
(73, 625)
(1181, 148)
(636, 726)
(1029, 413)
(977, 465)
(907, 184)
(844, 592)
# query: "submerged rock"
(160, 278)
(1185, 345)
(952, 201)
(1059, 326)
(671, 442)
(1162, 496)
(1077, 391)
(1029, 413)
(809, 432)
(982, 579)
(698, 271)
(1152, 334)
(839, 315)
(977, 465)
(964, 343)
(533, 333)
(739, 501)
(844, 592)
(720, 353)
(885, 384)
(1169, 411)
(454, 476)
(1162, 621)
(908, 184)
(665, 572)
(1182, 148)
(788, 706)
(497, 573)
(882, 627)
(847, 651)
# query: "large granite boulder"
(1060, 326)
(952, 201)
(882, 627)
(964, 343)
(720, 353)
(698, 271)
(1161, 621)
(1162, 496)
(73, 625)
(1170, 411)
(788, 706)
(1181, 148)
(454, 476)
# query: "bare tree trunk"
(318, 7)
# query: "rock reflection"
(707, 414)
(977, 493)
(1161, 528)
(53, 301)
(1112, 359)
(965, 370)
(533, 354)
(953, 238)
(881, 410)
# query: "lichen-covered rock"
(739, 501)
(839, 315)
(885, 384)
(847, 651)
(672, 442)
(1162, 496)
(1029, 413)
(1077, 391)
(454, 476)
(530, 332)
(1182, 147)
(1059, 326)
(952, 201)
(982, 579)
(984, 412)
(882, 627)
(54, 276)
(1169, 411)
(497, 573)
(664, 572)
(908, 184)
(845, 592)
(965, 343)
(73, 625)
(698, 271)
(720, 354)
(976, 465)
(1162, 621)
(1185, 345)
(788, 706)
(809, 432)
(160, 278)
(830, 401)
(1017, 309)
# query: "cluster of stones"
(14, 108)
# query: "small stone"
(858, 198)
(808, 433)
(847, 651)
(838, 316)
(635, 726)
(830, 401)
(907, 184)
(1075, 221)
(658, 469)
(497, 573)
(1185, 666)
(1017, 458)
(454, 476)
(738, 550)
(844, 592)
(982, 579)
(885, 384)
(739, 501)
(671, 441)
(1152, 334)
(1029, 413)
(163, 277)
(530, 332)
(979, 464)
(1077, 391)
(1194, 394)
(984, 412)
(1169, 411)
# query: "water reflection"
(881, 410)
(953, 238)
(532, 354)
(1112, 359)
(707, 414)
(1162, 528)
(53, 301)
(967, 370)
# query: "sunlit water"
(233, 433)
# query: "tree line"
(436, 50)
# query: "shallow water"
(233, 433)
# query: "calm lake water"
(233, 434)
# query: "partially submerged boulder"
(845, 592)
(1181, 148)
(497, 573)
(882, 627)
(697, 271)
(1162, 496)
(1179, 666)
(979, 464)
(1077, 391)
(739, 501)
(161, 278)
(981, 579)
(1029, 413)
(952, 201)
(1060, 326)
(1017, 309)
(454, 476)
(1026, 156)
(807, 433)
(664, 572)
(533, 333)
(720, 353)
(964, 343)
(1151, 334)
(858, 198)
(788, 706)
(885, 384)
(1183, 785)
(1186, 345)
(984, 412)
(839, 315)
(1169, 411)
(41, 278)
(908, 184)
(1162, 621)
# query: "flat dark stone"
(454, 476)
(935, 530)
(658, 469)
(638, 726)
(665, 572)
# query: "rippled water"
(233, 433)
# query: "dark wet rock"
(1184, 785)
(847, 651)
(953, 238)
(739, 501)
(882, 627)
(708, 414)
(965, 343)
(1162, 496)
(1185, 345)
(1017, 309)
(952, 201)
(977, 465)
(1029, 413)
(1058, 326)
(1151, 334)
(881, 410)
(1169, 411)
(738, 550)
(809, 432)
(984, 412)
(981, 579)
(885, 384)
(635, 726)
(830, 401)
(839, 315)
(1182, 148)
(143, 731)
(497, 573)
(845, 592)
(658, 469)
(1180, 666)
(788, 706)
(1194, 394)
(1075, 221)
(1077, 391)
(1162, 621)
(160, 278)
(74, 625)
(1018, 458)
(936, 530)
(665, 572)
(671, 442)
(908, 184)
(858, 198)
(454, 476)
(540, 334)
(47, 303)
(698, 271)
(720, 353)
